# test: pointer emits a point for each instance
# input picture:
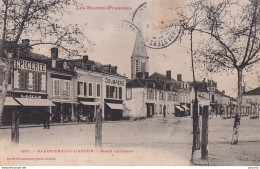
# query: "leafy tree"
(231, 41)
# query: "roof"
(149, 83)
(255, 91)
(202, 86)
(162, 78)
(139, 48)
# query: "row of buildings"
(70, 89)
(65, 88)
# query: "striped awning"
(115, 106)
(180, 108)
(9, 101)
(34, 102)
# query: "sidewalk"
(61, 124)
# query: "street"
(155, 141)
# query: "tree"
(38, 20)
(232, 29)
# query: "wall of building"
(89, 78)
(135, 103)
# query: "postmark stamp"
(158, 32)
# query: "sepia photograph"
(129, 83)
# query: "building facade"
(27, 88)
(251, 102)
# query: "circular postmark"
(158, 24)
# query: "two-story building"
(28, 86)
(98, 86)
(150, 98)
(60, 81)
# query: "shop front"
(179, 111)
(29, 90)
(10, 106)
(34, 107)
(150, 109)
(63, 111)
(86, 109)
(113, 95)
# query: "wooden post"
(204, 135)
(15, 127)
(98, 130)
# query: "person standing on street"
(46, 118)
(164, 111)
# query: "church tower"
(139, 59)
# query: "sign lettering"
(114, 82)
(29, 65)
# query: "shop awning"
(179, 107)
(185, 107)
(64, 101)
(89, 103)
(9, 101)
(115, 106)
(34, 102)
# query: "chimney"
(54, 53)
(179, 77)
(223, 91)
(85, 58)
(168, 74)
(26, 42)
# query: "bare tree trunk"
(15, 127)
(204, 133)
(98, 128)
(239, 104)
(196, 134)
(7, 74)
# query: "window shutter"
(78, 88)
(85, 89)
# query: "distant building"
(202, 95)
(155, 95)
(251, 101)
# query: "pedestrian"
(164, 111)
(46, 118)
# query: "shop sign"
(31, 96)
(114, 82)
(29, 65)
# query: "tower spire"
(139, 59)
(139, 48)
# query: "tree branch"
(20, 31)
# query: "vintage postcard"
(129, 83)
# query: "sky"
(114, 43)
